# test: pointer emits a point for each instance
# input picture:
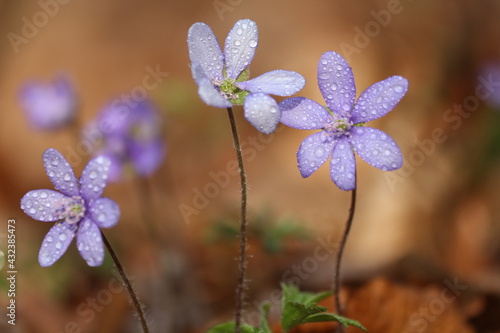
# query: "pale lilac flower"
(132, 138)
(78, 209)
(49, 106)
(222, 77)
(341, 123)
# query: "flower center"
(71, 209)
(231, 92)
(337, 126)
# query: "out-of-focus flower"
(78, 209)
(222, 78)
(341, 123)
(132, 138)
(50, 105)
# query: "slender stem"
(146, 203)
(128, 285)
(240, 289)
(336, 286)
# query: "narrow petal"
(205, 51)
(60, 172)
(94, 177)
(240, 46)
(42, 205)
(89, 243)
(343, 165)
(262, 112)
(336, 83)
(376, 148)
(207, 90)
(379, 99)
(313, 152)
(278, 82)
(56, 243)
(105, 212)
(303, 113)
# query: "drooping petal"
(55, 243)
(240, 46)
(105, 212)
(60, 172)
(313, 152)
(89, 243)
(336, 83)
(42, 205)
(205, 51)
(303, 113)
(379, 99)
(376, 148)
(343, 165)
(262, 112)
(207, 90)
(278, 82)
(94, 177)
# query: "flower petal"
(94, 177)
(105, 212)
(240, 46)
(147, 156)
(376, 148)
(207, 90)
(60, 172)
(278, 82)
(205, 51)
(343, 165)
(42, 205)
(89, 243)
(336, 83)
(313, 152)
(379, 99)
(303, 113)
(56, 243)
(262, 112)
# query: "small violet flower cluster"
(132, 138)
(222, 77)
(49, 106)
(77, 208)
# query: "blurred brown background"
(436, 220)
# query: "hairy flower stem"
(336, 282)
(128, 285)
(242, 264)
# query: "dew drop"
(398, 89)
(32, 211)
(319, 152)
(387, 152)
(55, 162)
(237, 42)
(324, 76)
(62, 237)
(333, 86)
(67, 177)
(49, 239)
(93, 174)
(253, 43)
(43, 195)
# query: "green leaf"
(264, 325)
(322, 317)
(301, 307)
(229, 327)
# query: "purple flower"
(49, 106)
(131, 138)
(222, 78)
(78, 209)
(341, 123)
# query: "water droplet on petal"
(398, 89)
(253, 43)
(237, 42)
(43, 195)
(63, 237)
(32, 211)
(319, 152)
(387, 152)
(333, 86)
(67, 177)
(93, 174)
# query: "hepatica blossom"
(222, 77)
(49, 106)
(341, 123)
(78, 209)
(132, 138)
